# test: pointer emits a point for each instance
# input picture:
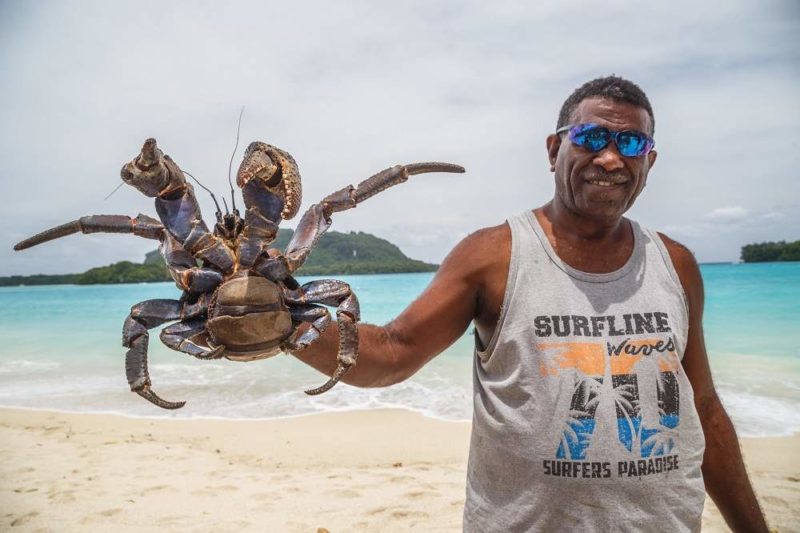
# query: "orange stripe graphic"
(589, 358)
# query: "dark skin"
(584, 223)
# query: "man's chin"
(602, 213)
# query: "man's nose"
(609, 158)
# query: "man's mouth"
(608, 182)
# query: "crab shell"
(248, 316)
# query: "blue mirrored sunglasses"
(630, 143)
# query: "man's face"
(578, 171)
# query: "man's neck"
(589, 245)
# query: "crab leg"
(319, 317)
(184, 270)
(142, 226)
(334, 292)
(273, 268)
(147, 315)
(317, 219)
(178, 337)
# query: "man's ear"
(553, 143)
(651, 159)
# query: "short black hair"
(612, 87)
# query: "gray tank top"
(584, 419)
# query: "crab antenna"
(230, 164)
(225, 204)
(204, 187)
(115, 190)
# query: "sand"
(388, 470)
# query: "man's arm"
(723, 469)
(391, 353)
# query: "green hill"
(336, 253)
(354, 253)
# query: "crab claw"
(276, 171)
(341, 370)
(147, 171)
(257, 164)
(154, 398)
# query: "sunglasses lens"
(591, 137)
(632, 144)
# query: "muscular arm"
(723, 469)
(457, 295)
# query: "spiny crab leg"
(341, 370)
(142, 226)
(333, 292)
(147, 393)
(316, 221)
(144, 316)
(395, 175)
(346, 318)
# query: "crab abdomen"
(249, 317)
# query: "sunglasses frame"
(650, 143)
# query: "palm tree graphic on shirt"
(612, 406)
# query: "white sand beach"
(378, 470)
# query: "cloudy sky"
(350, 88)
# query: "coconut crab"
(239, 298)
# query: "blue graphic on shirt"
(643, 431)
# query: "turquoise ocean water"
(60, 349)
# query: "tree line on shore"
(336, 254)
(771, 251)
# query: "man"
(594, 402)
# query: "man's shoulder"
(482, 251)
(685, 266)
(489, 235)
(490, 245)
(682, 257)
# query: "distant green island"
(771, 251)
(336, 254)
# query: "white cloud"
(727, 215)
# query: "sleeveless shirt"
(584, 419)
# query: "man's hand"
(723, 469)
(464, 288)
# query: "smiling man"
(594, 407)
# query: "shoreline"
(213, 418)
(372, 470)
(425, 414)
